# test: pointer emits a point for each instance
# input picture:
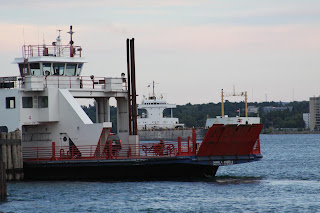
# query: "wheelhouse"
(46, 68)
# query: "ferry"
(59, 141)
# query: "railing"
(65, 82)
(110, 151)
(80, 82)
(124, 151)
(51, 50)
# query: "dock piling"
(3, 182)
(11, 155)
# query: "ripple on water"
(287, 179)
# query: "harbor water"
(287, 179)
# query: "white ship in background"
(153, 125)
(152, 118)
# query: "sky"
(191, 48)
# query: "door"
(64, 139)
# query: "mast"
(58, 44)
(246, 103)
(153, 89)
(222, 104)
(71, 42)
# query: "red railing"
(109, 151)
(93, 152)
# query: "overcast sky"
(192, 49)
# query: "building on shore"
(314, 110)
(306, 119)
(272, 108)
(253, 109)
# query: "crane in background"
(234, 93)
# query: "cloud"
(98, 3)
(214, 37)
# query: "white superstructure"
(231, 120)
(41, 102)
(153, 117)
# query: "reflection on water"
(236, 180)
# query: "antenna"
(24, 41)
(38, 35)
(252, 95)
(293, 95)
(153, 93)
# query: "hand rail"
(88, 152)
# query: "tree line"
(195, 115)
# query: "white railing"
(64, 82)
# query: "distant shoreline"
(281, 132)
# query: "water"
(286, 180)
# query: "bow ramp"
(231, 140)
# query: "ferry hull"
(184, 167)
(117, 171)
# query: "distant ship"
(154, 126)
(237, 120)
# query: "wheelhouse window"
(10, 102)
(58, 69)
(46, 68)
(43, 102)
(23, 69)
(79, 69)
(27, 102)
(71, 69)
(35, 69)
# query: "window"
(35, 69)
(10, 102)
(79, 69)
(71, 69)
(58, 69)
(27, 102)
(46, 68)
(23, 69)
(43, 102)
